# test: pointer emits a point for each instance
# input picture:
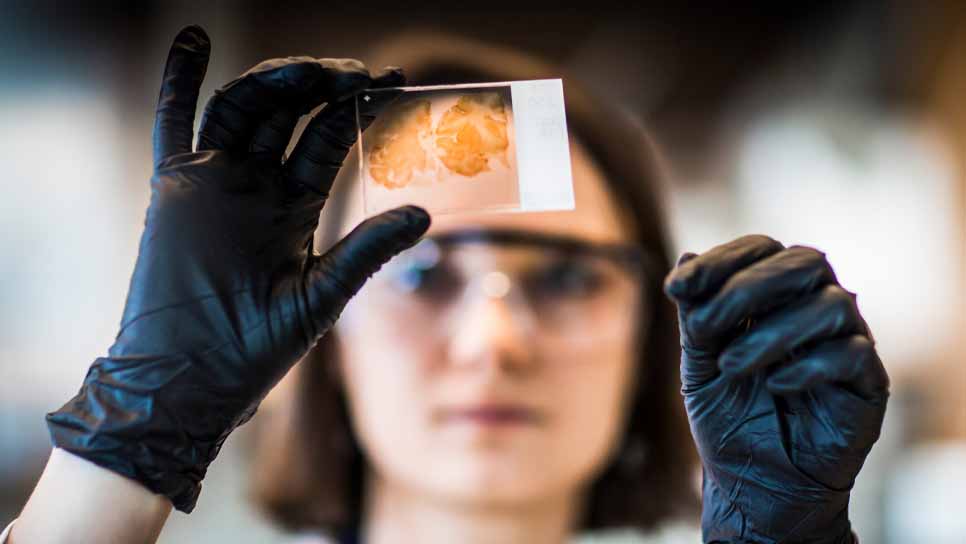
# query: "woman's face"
(418, 378)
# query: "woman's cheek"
(590, 396)
(381, 365)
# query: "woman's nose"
(492, 331)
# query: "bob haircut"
(308, 466)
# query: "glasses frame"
(639, 261)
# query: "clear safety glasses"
(558, 289)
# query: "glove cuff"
(129, 431)
(850, 538)
(181, 489)
(769, 518)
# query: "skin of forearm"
(78, 501)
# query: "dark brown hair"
(308, 465)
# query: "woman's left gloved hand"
(784, 390)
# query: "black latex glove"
(783, 388)
(227, 292)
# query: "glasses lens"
(572, 295)
(570, 292)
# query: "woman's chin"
(492, 475)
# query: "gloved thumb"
(338, 275)
(698, 365)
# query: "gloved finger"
(685, 257)
(827, 313)
(272, 135)
(337, 276)
(183, 73)
(851, 361)
(702, 276)
(761, 287)
(294, 83)
(326, 141)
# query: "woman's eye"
(436, 282)
(566, 279)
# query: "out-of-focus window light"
(925, 490)
(64, 229)
(877, 195)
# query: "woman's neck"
(394, 513)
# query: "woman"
(307, 484)
(505, 380)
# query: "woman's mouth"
(491, 415)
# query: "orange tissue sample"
(471, 132)
(398, 152)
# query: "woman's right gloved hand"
(227, 292)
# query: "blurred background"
(839, 125)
